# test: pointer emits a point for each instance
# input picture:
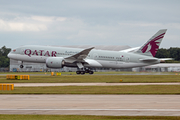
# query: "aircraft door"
(127, 58)
(22, 51)
(95, 56)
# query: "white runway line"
(92, 109)
(86, 84)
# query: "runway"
(85, 84)
(113, 105)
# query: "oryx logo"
(153, 45)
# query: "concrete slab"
(129, 105)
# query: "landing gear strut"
(21, 66)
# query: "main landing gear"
(83, 71)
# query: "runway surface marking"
(86, 84)
(98, 109)
(115, 105)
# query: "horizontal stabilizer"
(149, 59)
(166, 59)
(162, 60)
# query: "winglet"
(152, 45)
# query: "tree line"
(169, 53)
(4, 60)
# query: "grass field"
(96, 79)
(113, 77)
(74, 73)
(140, 89)
(147, 89)
(83, 117)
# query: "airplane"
(86, 59)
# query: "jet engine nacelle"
(55, 62)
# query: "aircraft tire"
(87, 71)
(21, 66)
(78, 72)
(91, 72)
(82, 72)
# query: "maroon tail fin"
(152, 45)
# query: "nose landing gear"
(21, 66)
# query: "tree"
(175, 53)
(4, 60)
(169, 53)
(162, 53)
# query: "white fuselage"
(95, 58)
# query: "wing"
(79, 57)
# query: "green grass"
(84, 117)
(96, 73)
(96, 79)
(68, 73)
(33, 73)
(139, 89)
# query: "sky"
(88, 22)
